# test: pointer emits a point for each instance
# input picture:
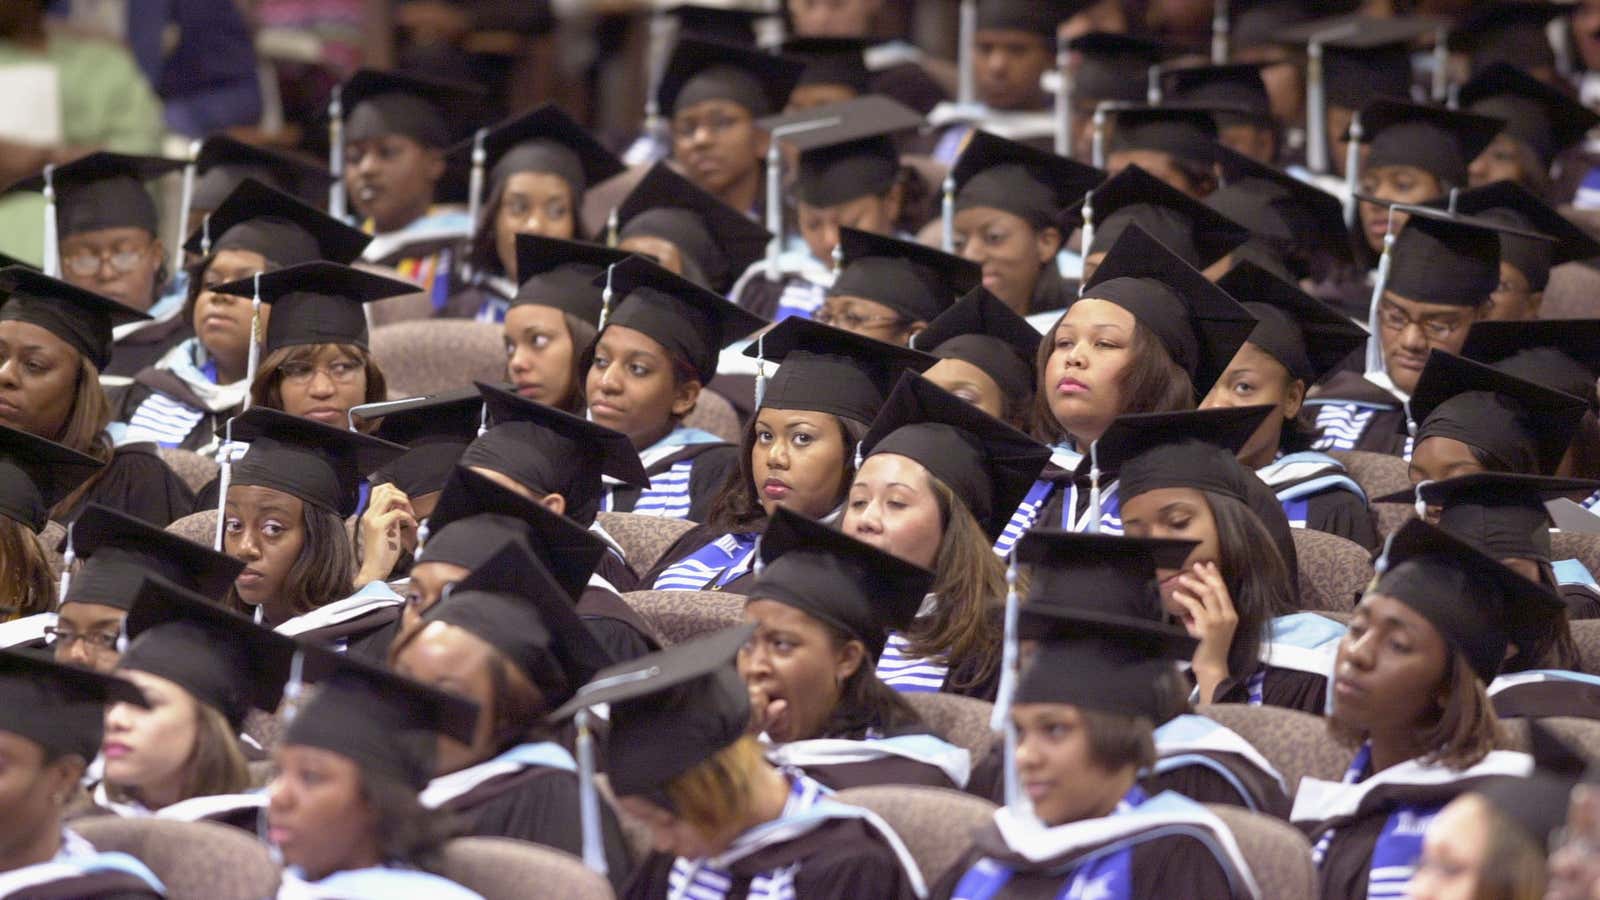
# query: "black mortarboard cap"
(836, 579)
(514, 603)
(1039, 187)
(1113, 66)
(1538, 803)
(1515, 206)
(1363, 57)
(120, 551)
(1474, 602)
(1187, 133)
(104, 190)
(1535, 113)
(426, 110)
(829, 370)
(1506, 32)
(986, 463)
(547, 141)
(434, 430)
(1232, 89)
(561, 274)
(552, 452)
(700, 70)
(1439, 141)
(317, 302)
(318, 463)
(831, 60)
(35, 474)
(1134, 434)
(1501, 513)
(1451, 259)
(719, 240)
(855, 156)
(914, 280)
(383, 722)
(58, 706)
(286, 231)
(1041, 17)
(1526, 427)
(223, 163)
(1198, 323)
(474, 512)
(1278, 208)
(1561, 354)
(80, 317)
(982, 330)
(1257, 22)
(225, 660)
(1188, 228)
(1112, 674)
(690, 321)
(670, 711)
(1307, 336)
(716, 23)
(1079, 584)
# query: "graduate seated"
(1013, 46)
(889, 289)
(823, 606)
(725, 822)
(1525, 262)
(987, 355)
(1175, 144)
(1541, 122)
(1198, 233)
(50, 721)
(686, 230)
(35, 474)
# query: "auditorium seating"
(963, 721)
(1296, 743)
(643, 538)
(506, 869)
(1277, 853)
(1333, 570)
(434, 355)
(713, 413)
(194, 470)
(678, 616)
(1584, 548)
(1380, 474)
(195, 860)
(200, 527)
(52, 536)
(936, 824)
(1586, 634)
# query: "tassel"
(605, 299)
(1421, 504)
(1316, 112)
(336, 195)
(612, 227)
(474, 199)
(1380, 283)
(1093, 525)
(1152, 88)
(205, 235)
(1441, 63)
(1098, 154)
(1352, 170)
(185, 202)
(52, 249)
(293, 688)
(838, 259)
(67, 559)
(1220, 27)
(947, 213)
(594, 855)
(966, 82)
(1088, 234)
(253, 356)
(1063, 142)
(1009, 664)
(761, 369)
(224, 477)
(774, 208)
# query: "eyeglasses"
(85, 263)
(340, 372)
(97, 640)
(1393, 318)
(715, 123)
(850, 320)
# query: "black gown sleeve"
(1348, 862)
(1177, 867)
(621, 641)
(988, 777)
(1342, 513)
(1288, 688)
(711, 468)
(1583, 602)
(1205, 785)
(944, 885)
(138, 483)
(650, 880)
(544, 810)
(852, 869)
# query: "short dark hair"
(1117, 740)
(407, 831)
(866, 704)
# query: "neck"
(40, 846)
(1390, 750)
(1117, 787)
(1260, 458)
(160, 795)
(364, 856)
(274, 613)
(742, 194)
(651, 438)
(398, 222)
(229, 370)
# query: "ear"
(760, 143)
(1293, 399)
(685, 396)
(62, 776)
(1048, 243)
(914, 329)
(893, 202)
(555, 503)
(159, 248)
(848, 660)
(433, 163)
(1535, 301)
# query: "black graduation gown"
(1342, 513)
(1283, 687)
(138, 483)
(1583, 602)
(616, 626)
(843, 859)
(108, 885)
(1385, 430)
(712, 464)
(1051, 292)
(161, 381)
(141, 349)
(1164, 867)
(1205, 785)
(539, 804)
(886, 770)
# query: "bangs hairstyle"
(1152, 382)
(582, 335)
(1255, 573)
(216, 763)
(29, 586)
(323, 571)
(516, 706)
(737, 508)
(965, 629)
(1462, 731)
(718, 791)
(1118, 740)
(267, 389)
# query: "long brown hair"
(736, 507)
(866, 705)
(1153, 382)
(1463, 730)
(216, 763)
(29, 587)
(323, 571)
(1256, 576)
(267, 389)
(85, 430)
(970, 583)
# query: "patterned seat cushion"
(433, 355)
(1333, 570)
(643, 538)
(1296, 743)
(506, 869)
(963, 721)
(195, 860)
(678, 616)
(1277, 853)
(936, 824)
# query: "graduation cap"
(552, 452)
(1506, 32)
(1235, 89)
(984, 461)
(80, 317)
(286, 231)
(1259, 22)
(434, 430)
(831, 60)
(515, 604)
(670, 711)
(318, 463)
(1133, 435)
(223, 659)
(547, 141)
(223, 163)
(1027, 182)
(838, 580)
(1474, 602)
(1560, 354)
(1278, 208)
(716, 23)
(1538, 803)
(1559, 240)
(1362, 57)
(1193, 231)
(383, 722)
(420, 108)
(57, 706)
(1439, 141)
(1080, 583)
(1107, 673)
(1535, 113)
(1525, 427)
(1446, 257)
(120, 551)
(1304, 334)
(36, 474)
(685, 318)
(1200, 326)
(913, 280)
(982, 330)
(1503, 514)
(561, 274)
(700, 70)
(720, 241)
(1187, 133)
(474, 514)
(829, 370)
(101, 190)
(1040, 17)
(317, 302)
(855, 157)
(1113, 66)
